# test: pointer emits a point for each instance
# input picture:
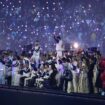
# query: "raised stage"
(32, 96)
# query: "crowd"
(80, 71)
(77, 71)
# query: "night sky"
(22, 22)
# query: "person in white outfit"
(75, 73)
(2, 72)
(59, 47)
(36, 54)
(60, 69)
(70, 83)
(15, 72)
(83, 81)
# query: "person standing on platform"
(59, 47)
(36, 54)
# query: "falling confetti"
(24, 21)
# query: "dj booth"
(26, 96)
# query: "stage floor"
(32, 96)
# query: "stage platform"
(33, 96)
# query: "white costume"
(60, 70)
(36, 52)
(2, 76)
(36, 55)
(26, 60)
(83, 79)
(75, 76)
(15, 74)
(59, 49)
(70, 83)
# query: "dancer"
(15, 70)
(59, 47)
(36, 54)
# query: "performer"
(90, 75)
(100, 83)
(103, 76)
(59, 46)
(2, 71)
(15, 70)
(36, 54)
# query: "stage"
(29, 96)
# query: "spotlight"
(76, 45)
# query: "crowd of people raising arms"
(77, 71)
